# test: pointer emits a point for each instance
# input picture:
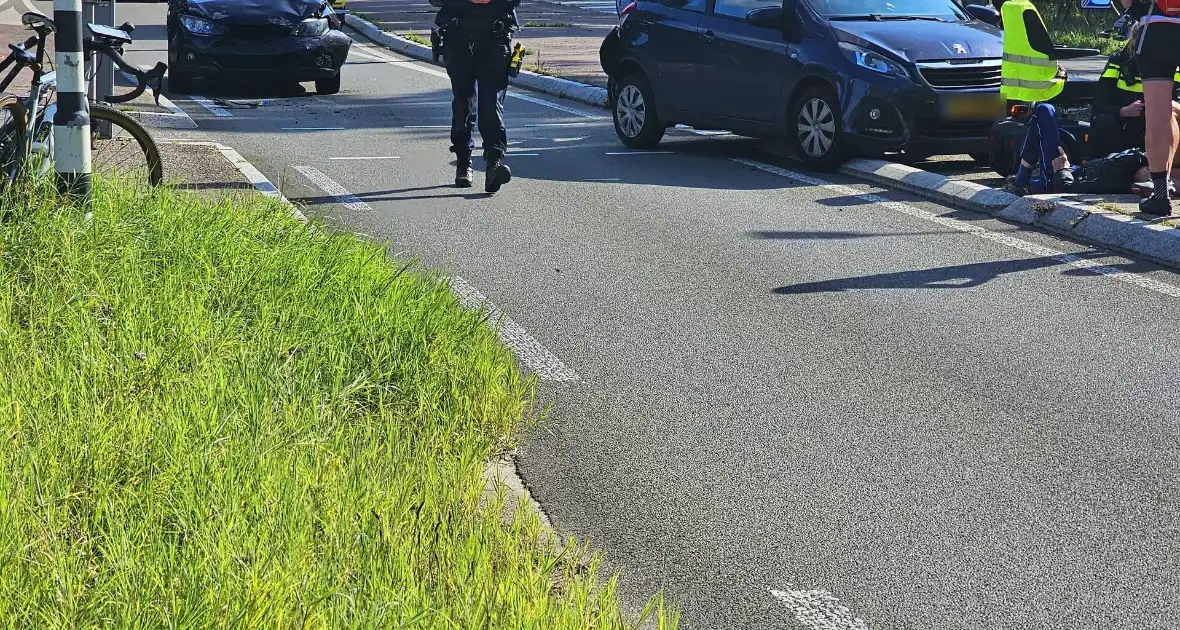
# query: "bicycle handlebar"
(144, 79)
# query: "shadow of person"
(954, 277)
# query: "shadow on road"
(954, 277)
(393, 195)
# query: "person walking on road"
(474, 38)
(1158, 55)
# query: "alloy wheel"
(816, 128)
(631, 111)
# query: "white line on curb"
(819, 610)
(531, 353)
(338, 192)
(975, 230)
(211, 107)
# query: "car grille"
(961, 76)
(260, 33)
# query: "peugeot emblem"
(959, 49)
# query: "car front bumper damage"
(287, 58)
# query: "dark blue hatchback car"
(834, 77)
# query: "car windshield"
(943, 10)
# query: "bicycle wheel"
(121, 148)
(13, 139)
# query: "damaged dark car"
(252, 40)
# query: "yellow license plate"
(338, 4)
(973, 107)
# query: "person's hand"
(1060, 163)
(1133, 110)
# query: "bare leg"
(1162, 132)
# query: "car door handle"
(709, 36)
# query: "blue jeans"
(1042, 142)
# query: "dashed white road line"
(338, 192)
(962, 226)
(211, 107)
(528, 350)
(569, 139)
(819, 610)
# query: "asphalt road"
(791, 402)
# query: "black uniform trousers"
(476, 59)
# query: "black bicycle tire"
(100, 112)
(18, 129)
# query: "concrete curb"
(959, 194)
(1067, 215)
(562, 88)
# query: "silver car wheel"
(816, 128)
(631, 111)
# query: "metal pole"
(105, 15)
(71, 123)
(88, 12)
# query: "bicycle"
(119, 144)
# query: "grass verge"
(214, 417)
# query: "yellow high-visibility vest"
(1114, 70)
(1026, 74)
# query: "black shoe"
(1156, 206)
(498, 175)
(1010, 187)
(464, 175)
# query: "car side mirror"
(984, 14)
(768, 17)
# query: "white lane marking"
(528, 350)
(367, 157)
(312, 128)
(427, 127)
(552, 105)
(338, 192)
(569, 139)
(702, 132)
(420, 67)
(1071, 260)
(819, 610)
(211, 107)
(508, 155)
(565, 124)
(639, 153)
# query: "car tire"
(637, 123)
(330, 85)
(815, 129)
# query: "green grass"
(214, 417)
(1070, 26)
(414, 37)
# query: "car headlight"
(870, 60)
(197, 26)
(313, 27)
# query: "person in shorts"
(1158, 56)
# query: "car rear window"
(946, 9)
